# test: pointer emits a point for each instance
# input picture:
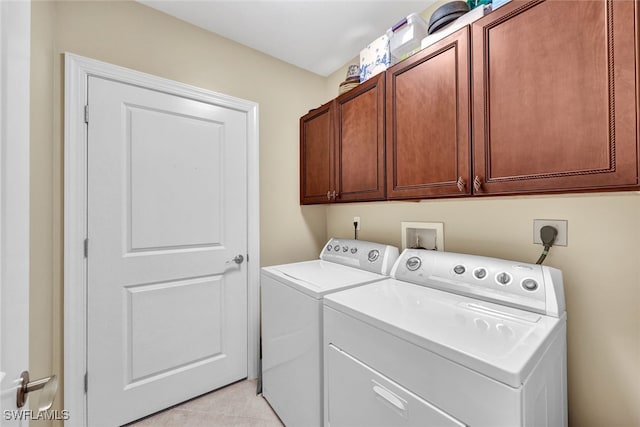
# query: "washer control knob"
(373, 255)
(503, 278)
(480, 273)
(529, 285)
(329, 247)
(354, 250)
(413, 263)
(345, 248)
(459, 269)
(336, 248)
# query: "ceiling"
(317, 35)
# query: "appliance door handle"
(389, 397)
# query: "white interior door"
(15, 21)
(167, 215)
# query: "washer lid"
(501, 342)
(318, 277)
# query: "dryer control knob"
(373, 255)
(413, 263)
(480, 273)
(459, 269)
(503, 278)
(529, 284)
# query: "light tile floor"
(234, 405)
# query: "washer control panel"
(528, 286)
(370, 256)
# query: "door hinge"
(86, 113)
(247, 257)
(86, 248)
(86, 382)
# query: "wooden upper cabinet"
(342, 147)
(554, 89)
(316, 155)
(360, 161)
(428, 148)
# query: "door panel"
(159, 342)
(428, 146)
(316, 155)
(176, 154)
(360, 142)
(555, 106)
(167, 198)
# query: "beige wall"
(134, 36)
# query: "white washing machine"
(292, 322)
(449, 340)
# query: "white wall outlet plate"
(560, 224)
(357, 219)
(427, 235)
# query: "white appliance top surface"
(318, 277)
(498, 341)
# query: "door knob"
(48, 385)
(238, 259)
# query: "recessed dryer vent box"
(423, 235)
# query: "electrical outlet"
(357, 219)
(559, 224)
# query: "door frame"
(77, 71)
(15, 60)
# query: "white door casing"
(149, 253)
(15, 24)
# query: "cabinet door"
(316, 155)
(360, 172)
(428, 122)
(555, 91)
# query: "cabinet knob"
(461, 184)
(334, 194)
(328, 195)
(477, 183)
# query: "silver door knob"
(238, 259)
(48, 385)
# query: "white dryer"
(292, 322)
(450, 340)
